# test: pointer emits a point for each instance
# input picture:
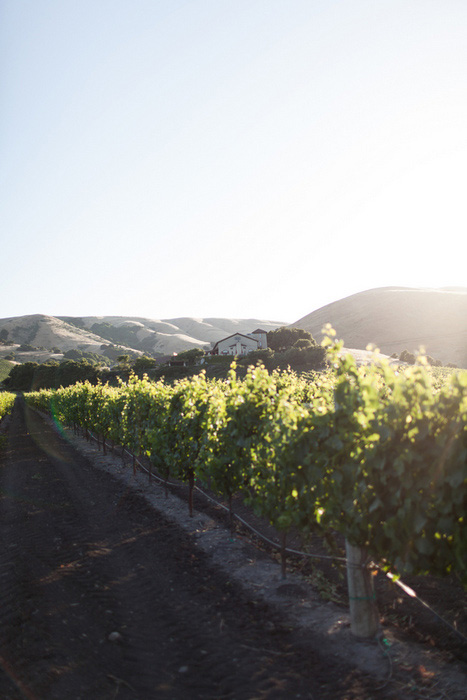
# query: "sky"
(229, 158)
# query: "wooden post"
(191, 484)
(231, 521)
(364, 618)
(283, 555)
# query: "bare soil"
(109, 590)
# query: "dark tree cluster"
(289, 347)
(410, 358)
(285, 337)
(125, 334)
(78, 355)
(31, 376)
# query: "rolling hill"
(399, 318)
(393, 318)
(140, 335)
(169, 335)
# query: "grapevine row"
(6, 403)
(376, 453)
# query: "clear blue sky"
(239, 158)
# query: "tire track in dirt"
(83, 557)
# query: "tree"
(70, 372)
(143, 363)
(73, 354)
(191, 355)
(408, 357)
(21, 377)
(312, 357)
(303, 343)
(285, 337)
(264, 357)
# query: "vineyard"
(375, 453)
(6, 403)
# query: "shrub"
(258, 356)
(407, 357)
(284, 337)
(313, 357)
(303, 343)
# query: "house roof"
(242, 335)
(163, 359)
(259, 330)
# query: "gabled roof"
(259, 330)
(242, 335)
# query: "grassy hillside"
(44, 333)
(169, 335)
(397, 318)
(5, 367)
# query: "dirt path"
(102, 597)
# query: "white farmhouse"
(240, 344)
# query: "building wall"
(262, 338)
(237, 345)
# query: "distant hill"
(141, 335)
(393, 318)
(399, 318)
(39, 330)
(169, 335)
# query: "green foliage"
(6, 403)
(21, 377)
(31, 376)
(377, 453)
(219, 360)
(126, 334)
(73, 354)
(431, 361)
(311, 357)
(191, 356)
(70, 372)
(5, 368)
(408, 357)
(111, 352)
(398, 457)
(303, 343)
(285, 337)
(74, 321)
(143, 364)
(264, 357)
(236, 429)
